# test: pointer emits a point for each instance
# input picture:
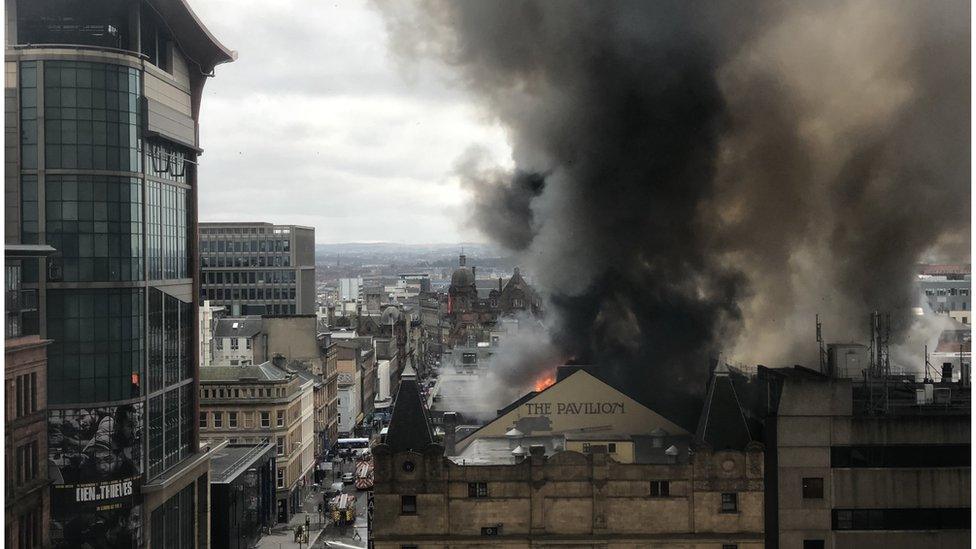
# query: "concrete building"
(239, 341)
(946, 289)
(209, 314)
(356, 365)
(258, 268)
(349, 289)
(579, 464)
(27, 509)
(263, 403)
(242, 489)
(861, 464)
(295, 343)
(102, 101)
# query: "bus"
(346, 446)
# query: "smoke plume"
(696, 178)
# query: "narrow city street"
(322, 534)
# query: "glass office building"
(101, 107)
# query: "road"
(340, 538)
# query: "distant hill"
(395, 249)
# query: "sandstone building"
(581, 464)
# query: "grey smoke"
(715, 172)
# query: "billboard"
(95, 466)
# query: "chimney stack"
(450, 432)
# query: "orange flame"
(545, 381)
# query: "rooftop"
(246, 327)
(233, 459)
(259, 372)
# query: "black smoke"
(715, 173)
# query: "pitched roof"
(722, 423)
(259, 372)
(409, 425)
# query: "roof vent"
(671, 451)
(514, 433)
(518, 451)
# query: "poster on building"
(95, 466)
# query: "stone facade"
(569, 498)
(27, 504)
(279, 411)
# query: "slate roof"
(409, 425)
(260, 372)
(722, 423)
(247, 327)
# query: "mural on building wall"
(95, 466)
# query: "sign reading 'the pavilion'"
(573, 408)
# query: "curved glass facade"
(96, 224)
(91, 116)
(98, 344)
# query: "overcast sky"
(316, 124)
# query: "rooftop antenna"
(823, 352)
(927, 365)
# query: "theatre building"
(101, 108)
(580, 463)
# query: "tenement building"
(101, 103)
(258, 404)
(578, 464)
(27, 509)
(258, 268)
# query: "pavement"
(322, 535)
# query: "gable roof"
(577, 396)
(409, 425)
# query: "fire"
(545, 381)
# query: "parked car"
(348, 478)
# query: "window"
(218, 419)
(281, 446)
(26, 394)
(477, 489)
(946, 518)
(265, 419)
(232, 419)
(219, 342)
(730, 503)
(233, 344)
(730, 546)
(281, 478)
(660, 488)
(247, 341)
(813, 488)
(281, 418)
(26, 463)
(612, 448)
(408, 505)
(203, 419)
(29, 529)
(901, 455)
(813, 544)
